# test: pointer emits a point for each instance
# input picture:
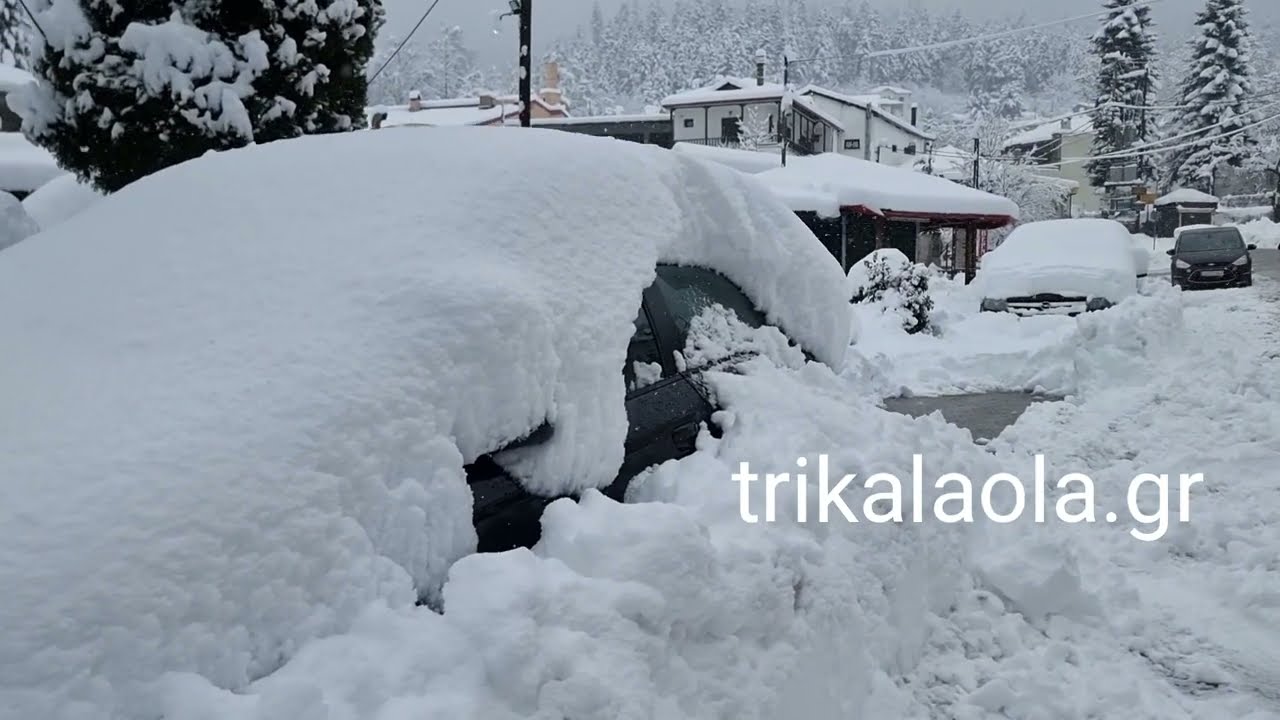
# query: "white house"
(1046, 144)
(742, 112)
(882, 126)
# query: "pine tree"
(1215, 98)
(148, 85)
(1125, 48)
(15, 40)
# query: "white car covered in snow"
(1061, 267)
(250, 395)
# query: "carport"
(855, 207)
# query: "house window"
(729, 128)
(854, 144)
(688, 122)
(894, 148)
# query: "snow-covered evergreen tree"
(1215, 96)
(133, 86)
(995, 80)
(15, 34)
(1126, 51)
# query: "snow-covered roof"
(828, 182)
(1087, 256)
(228, 433)
(24, 166)
(871, 102)
(597, 119)
(891, 89)
(1046, 130)
(739, 90)
(11, 78)
(947, 161)
(454, 112)
(1186, 195)
(747, 161)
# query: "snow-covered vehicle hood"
(238, 394)
(1085, 258)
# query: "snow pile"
(12, 78)
(827, 182)
(965, 351)
(889, 281)
(1192, 608)
(1262, 232)
(225, 438)
(59, 200)
(1081, 257)
(23, 166)
(15, 224)
(1118, 346)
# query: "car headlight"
(1181, 264)
(994, 305)
(1097, 303)
(1242, 260)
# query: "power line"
(1161, 150)
(402, 42)
(34, 22)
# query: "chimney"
(551, 93)
(760, 60)
(415, 101)
(915, 114)
(1065, 123)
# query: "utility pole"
(786, 111)
(977, 158)
(526, 63)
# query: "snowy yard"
(233, 514)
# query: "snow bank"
(1085, 257)
(23, 166)
(60, 199)
(827, 182)
(15, 224)
(225, 435)
(1118, 347)
(1263, 232)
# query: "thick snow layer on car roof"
(1087, 256)
(827, 182)
(238, 394)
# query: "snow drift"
(239, 393)
(15, 224)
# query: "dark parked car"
(1211, 257)
(665, 406)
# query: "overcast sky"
(555, 18)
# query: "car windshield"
(1210, 240)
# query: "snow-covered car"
(1210, 256)
(1061, 267)
(243, 397)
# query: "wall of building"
(699, 123)
(1086, 199)
(892, 139)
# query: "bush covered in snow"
(888, 278)
(131, 87)
(15, 224)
